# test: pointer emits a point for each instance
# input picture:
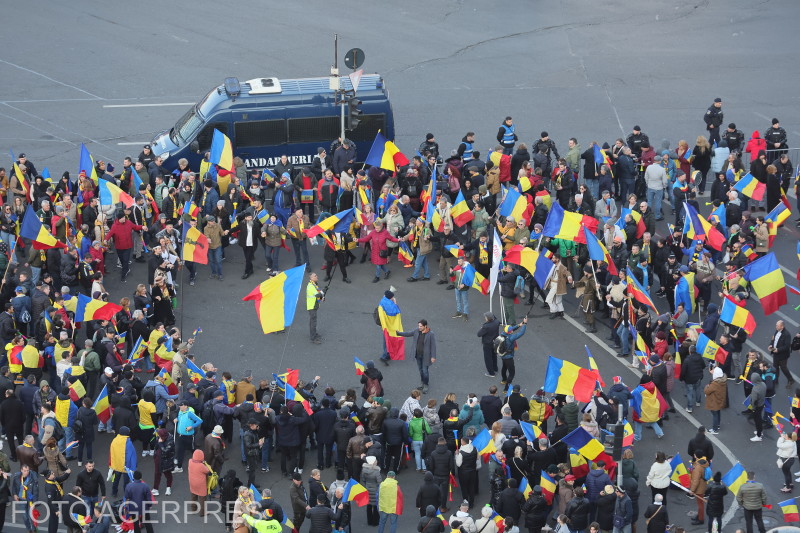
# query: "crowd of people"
(159, 406)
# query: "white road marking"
(141, 143)
(51, 79)
(150, 105)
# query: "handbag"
(383, 253)
(780, 462)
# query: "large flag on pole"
(384, 154)
(497, 257)
(276, 299)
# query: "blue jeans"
(462, 301)
(623, 529)
(421, 263)
(115, 484)
(385, 354)
(241, 440)
(654, 199)
(715, 418)
(423, 370)
(387, 517)
(626, 187)
(416, 445)
(271, 253)
(265, 449)
(36, 272)
(624, 335)
(300, 252)
(637, 430)
(215, 260)
(7, 238)
(90, 502)
(379, 268)
(692, 394)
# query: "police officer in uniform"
(466, 147)
(776, 140)
(430, 146)
(506, 136)
(636, 140)
(734, 138)
(713, 120)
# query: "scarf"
(57, 485)
(483, 253)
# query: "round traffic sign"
(354, 58)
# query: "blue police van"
(268, 117)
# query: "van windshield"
(186, 127)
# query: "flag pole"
(10, 256)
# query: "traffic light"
(354, 113)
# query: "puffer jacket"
(476, 422)
(395, 430)
(371, 479)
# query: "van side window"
(367, 128)
(260, 133)
(314, 129)
(207, 133)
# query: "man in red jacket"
(122, 234)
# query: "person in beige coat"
(761, 232)
(716, 396)
(557, 288)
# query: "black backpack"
(78, 429)
(500, 344)
(58, 431)
(209, 420)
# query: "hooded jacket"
(395, 431)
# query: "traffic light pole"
(336, 84)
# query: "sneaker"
(177, 470)
(168, 491)
(155, 492)
(151, 453)
(265, 469)
(457, 315)
(488, 375)
(80, 463)
(688, 409)
(713, 432)
(755, 439)
(144, 453)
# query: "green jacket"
(752, 496)
(418, 428)
(565, 248)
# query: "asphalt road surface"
(111, 75)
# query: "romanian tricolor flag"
(194, 371)
(593, 367)
(601, 158)
(710, 349)
(81, 520)
(484, 444)
(636, 216)
(523, 256)
(355, 419)
(91, 309)
(647, 403)
(166, 379)
(588, 446)
(193, 210)
(221, 153)
(391, 323)
(598, 252)
(680, 474)
(276, 299)
(531, 431)
(385, 201)
(578, 464)
(563, 377)
(455, 250)
(76, 391)
(405, 254)
(33, 229)
(102, 407)
(696, 227)
(735, 478)
(499, 522)
(460, 211)
(195, 245)
(428, 197)
(359, 366)
(548, 485)
(775, 218)
(355, 492)
(391, 497)
(627, 435)
(137, 352)
(110, 194)
(790, 511)
(384, 154)
(338, 223)
(751, 187)
(472, 278)
(86, 164)
(290, 376)
(22, 181)
(737, 316)
(562, 224)
(514, 205)
(749, 253)
(685, 292)
(765, 276)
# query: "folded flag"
(737, 316)
(710, 349)
(563, 377)
(765, 276)
(391, 322)
(751, 187)
(76, 391)
(355, 492)
(359, 366)
(276, 299)
(679, 473)
(384, 154)
(33, 229)
(81, 520)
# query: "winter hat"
(219, 431)
(654, 360)
(429, 136)
(388, 294)
(162, 433)
(661, 335)
(617, 379)
(124, 430)
(371, 460)
(684, 269)
(370, 364)
(712, 308)
(774, 121)
(428, 476)
(717, 373)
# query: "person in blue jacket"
(185, 425)
(510, 335)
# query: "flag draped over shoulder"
(647, 403)
(276, 299)
(684, 292)
(391, 323)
